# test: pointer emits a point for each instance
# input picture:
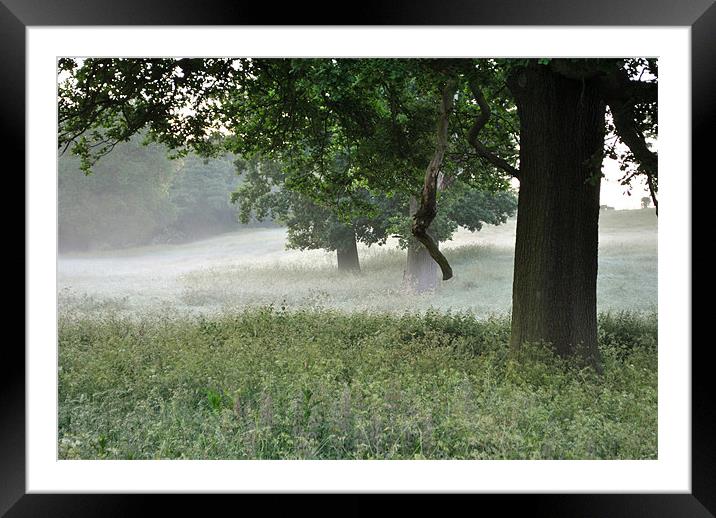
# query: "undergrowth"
(270, 383)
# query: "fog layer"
(252, 267)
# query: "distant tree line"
(138, 196)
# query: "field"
(234, 348)
(243, 269)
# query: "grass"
(482, 285)
(273, 383)
(242, 270)
(233, 348)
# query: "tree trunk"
(421, 270)
(554, 297)
(347, 254)
(426, 211)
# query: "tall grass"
(234, 348)
(269, 383)
(238, 271)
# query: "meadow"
(244, 269)
(233, 348)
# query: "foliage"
(136, 196)
(344, 130)
(200, 191)
(340, 127)
(124, 202)
(459, 206)
(644, 115)
(102, 102)
(263, 194)
(275, 384)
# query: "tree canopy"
(263, 195)
(338, 127)
(341, 128)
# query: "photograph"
(408, 252)
(357, 258)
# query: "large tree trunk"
(554, 297)
(347, 254)
(421, 270)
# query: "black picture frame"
(700, 15)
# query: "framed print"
(358, 386)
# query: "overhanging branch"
(617, 85)
(625, 124)
(480, 122)
(622, 94)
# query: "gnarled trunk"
(426, 211)
(347, 254)
(555, 276)
(421, 270)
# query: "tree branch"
(621, 94)
(617, 85)
(427, 210)
(652, 192)
(622, 108)
(480, 123)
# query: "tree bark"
(427, 209)
(554, 296)
(347, 254)
(421, 270)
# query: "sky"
(612, 192)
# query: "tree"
(200, 194)
(339, 127)
(645, 202)
(123, 203)
(562, 112)
(561, 105)
(459, 205)
(378, 116)
(395, 121)
(136, 196)
(263, 195)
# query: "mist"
(144, 232)
(251, 266)
(342, 272)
